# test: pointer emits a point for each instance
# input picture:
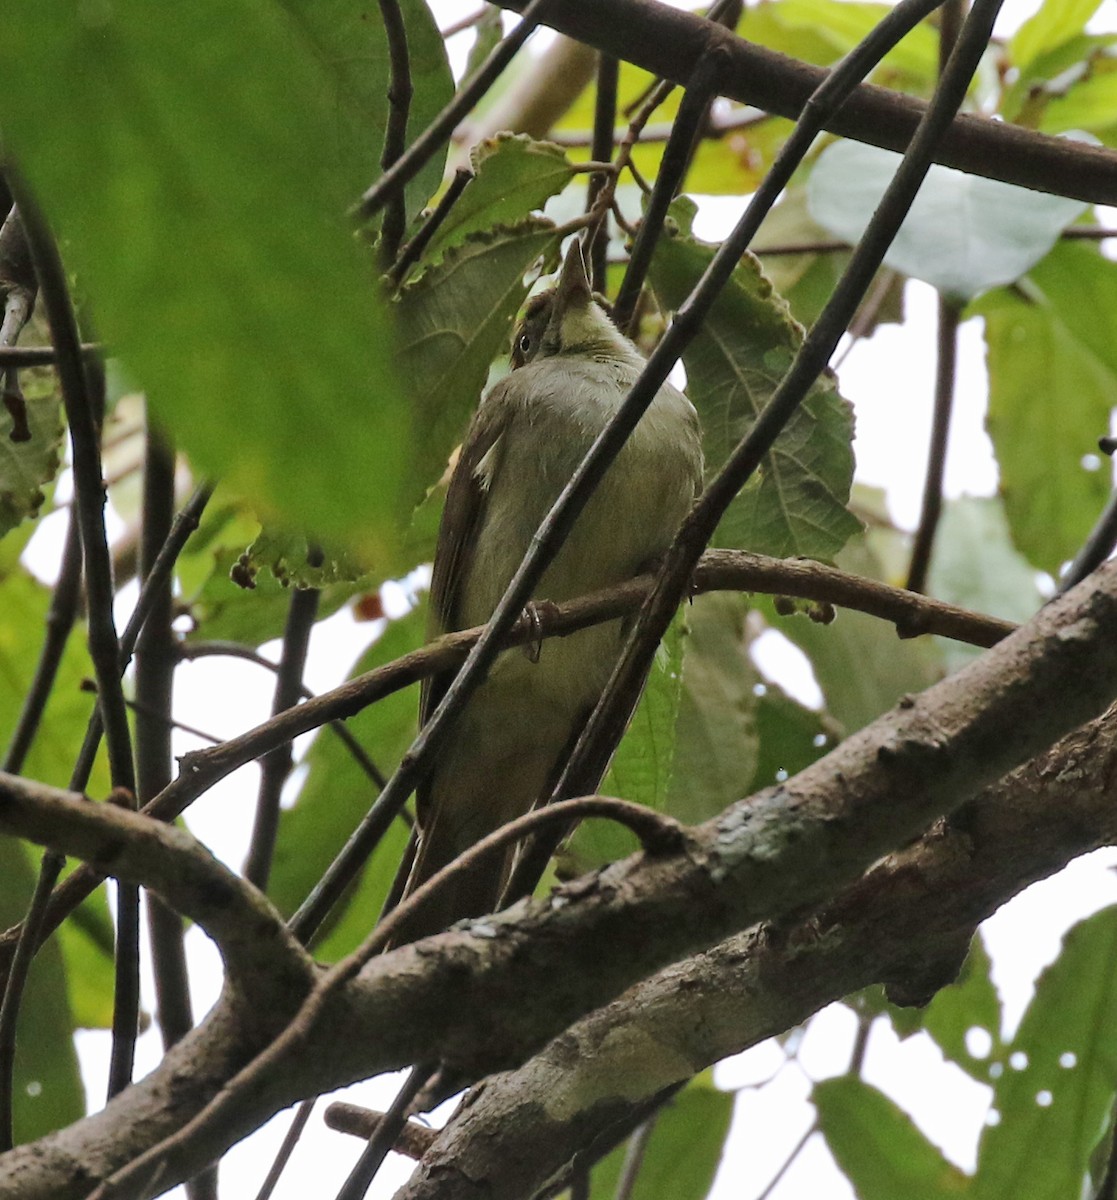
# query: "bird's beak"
(573, 285)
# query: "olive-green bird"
(571, 371)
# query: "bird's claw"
(533, 615)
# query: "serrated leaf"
(878, 1146)
(963, 235)
(26, 467)
(1052, 365)
(682, 1155)
(807, 281)
(716, 737)
(453, 321)
(215, 250)
(1054, 1097)
(336, 794)
(47, 1092)
(287, 557)
(796, 503)
(514, 175)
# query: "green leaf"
(255, 612)
(337, 793)
(26, 467)
(970, 1003)
(878, 1147)
(25, 603)
(795, 504)
(87, 944)
(807, 281)
(453, 321)
(844, 24)
(716, 737)
(1052, 381)
(682, 1155)
(1056, 75)
(839, 651)
(489, 31)
(349, 42)
(286, 556)
(1053, 1098)
(976, 565)
(963, 235)
(1054, 22)
(47, 1089)
(1089, 104)
(513, 176)
(792, 736)
(214, 248)
(641, 768)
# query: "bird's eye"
(524, 343)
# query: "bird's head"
(566, 319)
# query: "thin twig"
(41, 356)
(946, 368)
(797, 1149)
(64, 604)
(945, 376)
(191, 651)
(464, 24)
(155, 667)
(395, 129)
(414, 1140)
(415, 157)
(409, 255)
(865, 318)
(701, 88)
(185, 524)
(84, 422)
(276, 765)
(718, 126)
(83, 414)
(384, 1135)
(604, 114)
(634, 1157)
(1096, 549)
(287, 1148)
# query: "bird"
(571, 370)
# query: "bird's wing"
(462, 518)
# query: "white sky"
(893, 422)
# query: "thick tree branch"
(516, 1134)
(669, 42)
(719, 570)
(763, 859)
(262, 959)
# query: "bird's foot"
(533, 614)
